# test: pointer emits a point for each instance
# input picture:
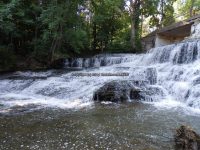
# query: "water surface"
(115, 126)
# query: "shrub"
(7, 59)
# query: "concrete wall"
(148, 43)
(172, 34)
(165, 40)
(162, 41)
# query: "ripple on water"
(132, 126)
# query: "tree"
(106, 15)
(135, 11)
(45, 30)
(188, 8)
(159, 12)
(63, 26)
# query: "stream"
(55, 109)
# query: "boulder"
(121, 91)
(186, 139)
(116, 91)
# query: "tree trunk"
(133, 35)
(135, 23)
(162, 14)
(191, 8)
(52, 49)
(94, 36)
(56, 44)
(141, 25)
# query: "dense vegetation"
(36, 32)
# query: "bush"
(7, 59)
(119, 47)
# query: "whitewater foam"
(176, 69)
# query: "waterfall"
(98, 61)
(174, 69)
(178, 67)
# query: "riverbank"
(20, 63)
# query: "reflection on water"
(124, 126)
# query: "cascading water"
(174, 68)
(98, 61)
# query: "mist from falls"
(176, 72)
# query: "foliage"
(188, 8)
(107, 21)
(45, 30)
(161, 12)
(7, 59)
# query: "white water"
(177, 69)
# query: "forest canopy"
(41, 31)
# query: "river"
(54, 109)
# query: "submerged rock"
(121, 91)
(187, 139)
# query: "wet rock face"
(186, 139)
(196, 81)
(115, 91)
(151, 75)
(121, 91)
(148, 75)
(151, 93)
